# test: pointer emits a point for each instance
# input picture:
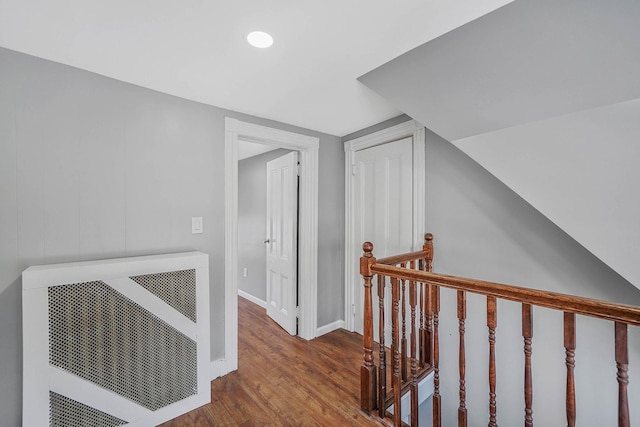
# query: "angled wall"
(545, 96)
(482, 229)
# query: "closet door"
(383, 208)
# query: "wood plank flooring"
(285, 381)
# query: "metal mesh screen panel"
(100, 335)
(65, 412)
(176, 288)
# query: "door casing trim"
(308, 147)
(409, 128)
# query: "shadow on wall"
(485, 230)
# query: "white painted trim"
(154, 305)
(35, 354)
(90, 394)
(409, 128)
(308, 226)
(40, 377)
(333, 326)
(419, 187)
(394, 133)
(251, 298)
(41, 276)
(220, 368)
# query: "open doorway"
(267, 230)
(307, 147)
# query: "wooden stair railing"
(423, 323)
(411, 351)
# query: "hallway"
(285, 381)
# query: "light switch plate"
(196, 225)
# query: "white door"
(281, 240)
(383, 210)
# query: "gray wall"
(532, 160)
(252, 223)
(331, 234)
(94, 168)
(484, 230)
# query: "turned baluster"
(622, 363)
(403, 341)
(422, 330)
(428, 334)
(382, 354)
(570, 351)
(437, 404)
(462, 315)
(395, 334)
(427, 354)
(422, 318)
(368, 369)
(527, 333)
(415, 323)
(413, 296)
(492, 322)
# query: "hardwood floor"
(285, 381)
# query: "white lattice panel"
(115, 342)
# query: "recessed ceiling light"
(259, 39)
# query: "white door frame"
(394, 133)
(308, 227)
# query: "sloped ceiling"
(195, 49)
(546, 96)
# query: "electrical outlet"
(244, 272)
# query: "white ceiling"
(195, 49)
(248, 149)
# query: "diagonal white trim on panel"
(41, 289)
(86, 392)
(154, 305)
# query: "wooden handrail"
(402, 258)
(423, 298)
(568, 303)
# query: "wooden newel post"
(368, 373)
(428, 248)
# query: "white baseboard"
(251, 298)
(338, 324)
(220, 368)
